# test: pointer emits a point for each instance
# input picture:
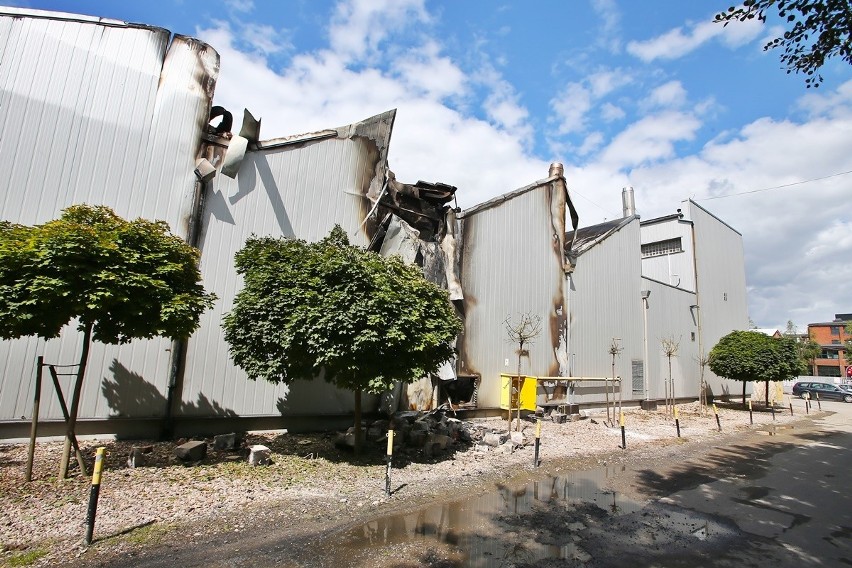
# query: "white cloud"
(649, 139)
(240, 5)
(678, 41)
(359, 26)
(571, 107)
(611, 113)
(264, 39)
(668, 95)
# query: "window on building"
(828, 371)
(835, 342)
(660, 248)
(829, 354)
(835, 329)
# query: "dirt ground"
(311, 484)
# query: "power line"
(774, 187)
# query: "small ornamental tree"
(754, 356)
(329, 308)
(118, 279)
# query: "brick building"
(831, 337)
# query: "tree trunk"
(358, 422)
(518, 421)
(75, 407)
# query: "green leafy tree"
(329, 308)
(817, 30)
(118, 279)
(809, 352)
(746, 356)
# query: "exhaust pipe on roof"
(627, 203)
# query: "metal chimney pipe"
(556, 169)
(627, 203)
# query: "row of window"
(660, 248)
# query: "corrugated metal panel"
(91, 115)
(721, 281)
(302, 190)
(512, 264)
(605, 303)
(676, 269)
(671, 317)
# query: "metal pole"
(93, 495)
(646, 363)
(34, 427)
(819, 406)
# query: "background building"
(831, 337)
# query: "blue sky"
(647, 94)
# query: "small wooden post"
(34, 427)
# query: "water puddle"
(570, 517)
(495, 527)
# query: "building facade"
(832, 337)
(126, 122)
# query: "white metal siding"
(721, 283)
(510, 267)
(299, 190)
(675, 269)
(91, 115)
(605, 303)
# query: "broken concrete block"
(482, 448)
(417, 438)
(259, 455)
(192, 451)
(225, 441)
(576, 417)
(136, 457)
(347, 440)
(558, 417)
(494, 439)
(518, 438)
(436, 443)
(506, 448)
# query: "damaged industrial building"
(105, 112)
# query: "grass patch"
(24, 558)
(148, 534)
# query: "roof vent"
(556, 169)
(627, 203)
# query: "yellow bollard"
(537, 442)
(389, 458)
(623, 435)
(93, 494)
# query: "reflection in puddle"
(484, 529)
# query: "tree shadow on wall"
(129, 395)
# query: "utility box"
(509, 396)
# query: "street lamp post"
(645, 294)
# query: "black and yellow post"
(819, 406)
(807, 403)
(389, 458)
(791, 406)
(718, 422)
(537, 441)
(623, 434)
(677, 421)
(772, 408)
(750, 413)
(93, 495)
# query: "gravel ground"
(311, 483)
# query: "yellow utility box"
(509, 398)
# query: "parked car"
(825, 391)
